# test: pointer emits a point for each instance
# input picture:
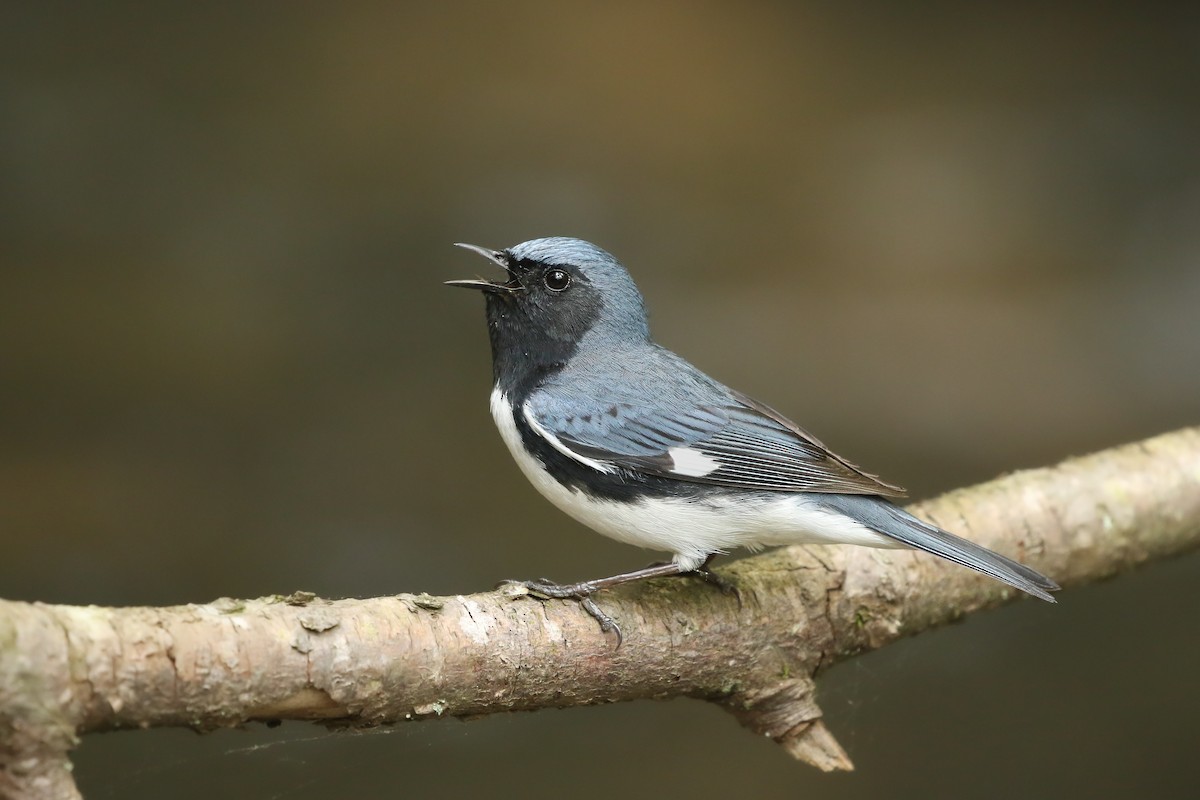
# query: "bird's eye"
(556, 280)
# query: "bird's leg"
(705, 574)
(577, 591)
(583, 591)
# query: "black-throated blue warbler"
(633, 441)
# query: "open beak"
(498, 258)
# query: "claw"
(724, 584)
(546, 589)
(607, 623)
(549, 590)
(582, 592)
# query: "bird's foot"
(724, 584)
(581, 592)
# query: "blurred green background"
(951, 240)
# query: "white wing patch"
(562, 448)
(692, 463)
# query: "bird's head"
(558, 291)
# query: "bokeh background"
(953, 240)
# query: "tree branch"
(69, 670)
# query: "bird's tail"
(886, 518)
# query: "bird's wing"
(736, 442)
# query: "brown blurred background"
(952, 241)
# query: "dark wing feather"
(739, 443)
(873, 482)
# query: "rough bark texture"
(68, 670)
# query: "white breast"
(690, 529)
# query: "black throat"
(523, 354)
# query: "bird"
(638, 444)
